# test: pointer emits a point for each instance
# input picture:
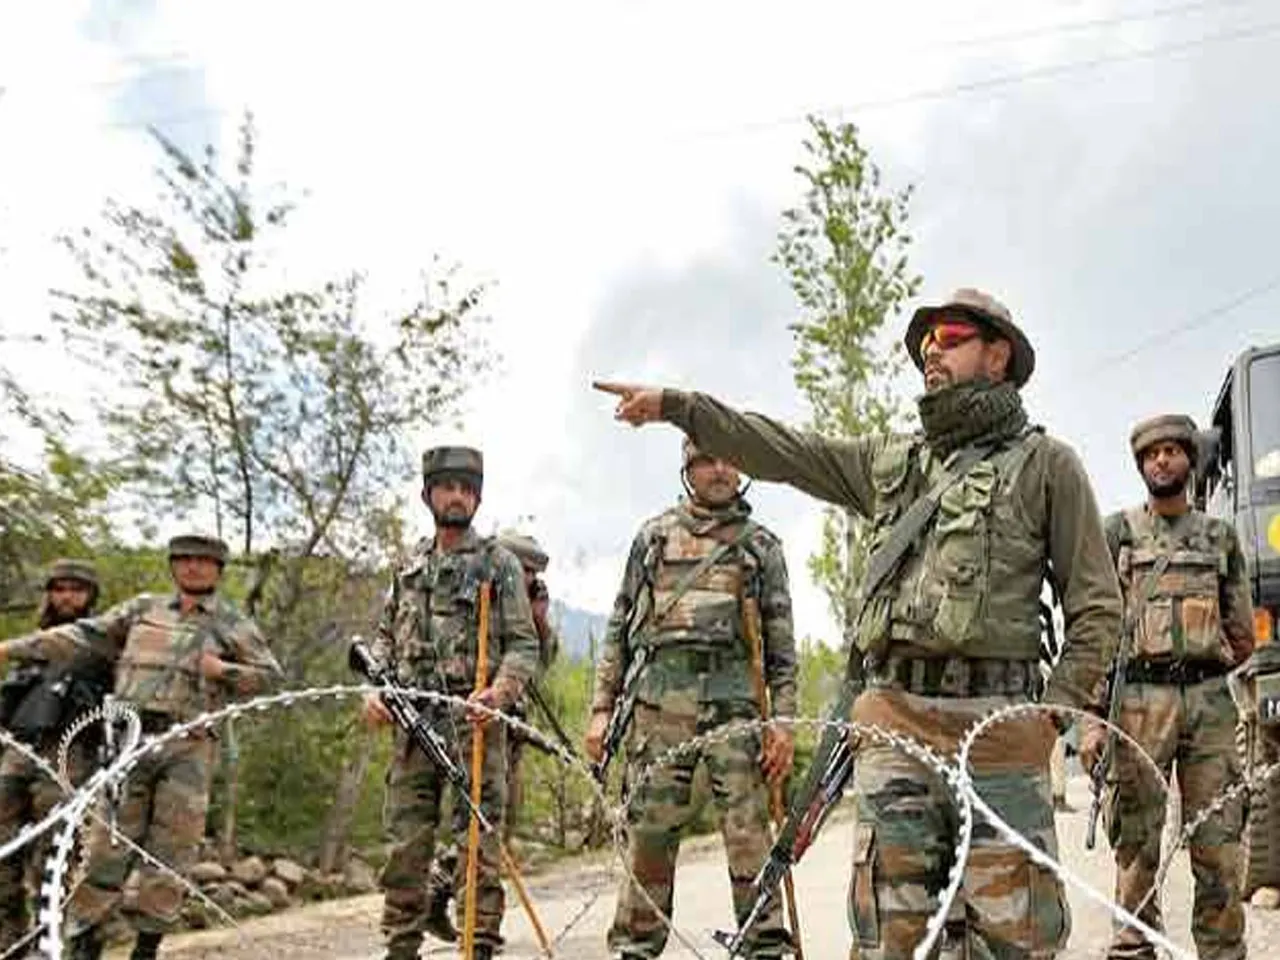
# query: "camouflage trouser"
(412, 814)
(908, 824)
(1193, 726)
(445, 865)
(162, 809)
(661, 805)
(27, 794)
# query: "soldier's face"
(954, 352)
(69, 599)
(452, 502)
(714, 481)
(196, 575)
(1166, 468)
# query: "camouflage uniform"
(1197, 624)
(952, 634)
(428, 634)
(156, 649)
(27, 793)
(699, 679)
(443, 869)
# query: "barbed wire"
(954, 773)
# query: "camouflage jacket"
(972, 588)
(157, 648)
(1200, 607)
(708, 615)
(430, 624)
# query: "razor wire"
(955, 774)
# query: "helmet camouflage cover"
(81, 571)
(1175, 427)
(198, 545)
(464, 462)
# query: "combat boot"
(438, 922)
(86, 944)
(145, 947)
(483, 951)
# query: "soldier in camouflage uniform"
(1194, 623)
(954, 630)
(428, 635)
(53, 699)
(176, 655)
(533, 560)
(688, 571)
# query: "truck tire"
(1260, 844)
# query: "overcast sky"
(617, 171)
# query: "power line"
(990, 83)
(1170, 333)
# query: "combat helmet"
(466, 463)
(1176, 427)
(198, 545)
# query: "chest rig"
(438, 618)
(971, 586)
(1182, 619)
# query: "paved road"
(347, 930)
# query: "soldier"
(428, 635)
(46, 700)
(952, 631)
(533, 560)
(1183, 574)
(176, 655)
(690, 568)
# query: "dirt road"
(347, 930)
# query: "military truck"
(1239, 481)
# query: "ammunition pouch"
(958, 676)
(1177, 673)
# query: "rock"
(277, 891)
(250, 871)
(1266, 898)
(223, 894)
(317, 887)
(288, 871)
(358, 877)
(210, 871)
(257, 904)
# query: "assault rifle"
(824, 785)
(623, 710)
(410, 719)
(1115, 698)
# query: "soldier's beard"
(454, 518)
(1169, 488)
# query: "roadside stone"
(291, 873)
(1266, 898)
(275, 890)
(250, 871)
(208, 871)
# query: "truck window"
(1264, 415)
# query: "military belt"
(1178, 673)
(696, 659)
(958, 676)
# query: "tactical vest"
(159, 665)
(438, 619)
(972, 585)
(1182, 619)
(707, 614)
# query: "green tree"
(844, 250)
(281, 413)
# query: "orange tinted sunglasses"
(948, 334)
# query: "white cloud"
(617, 169)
